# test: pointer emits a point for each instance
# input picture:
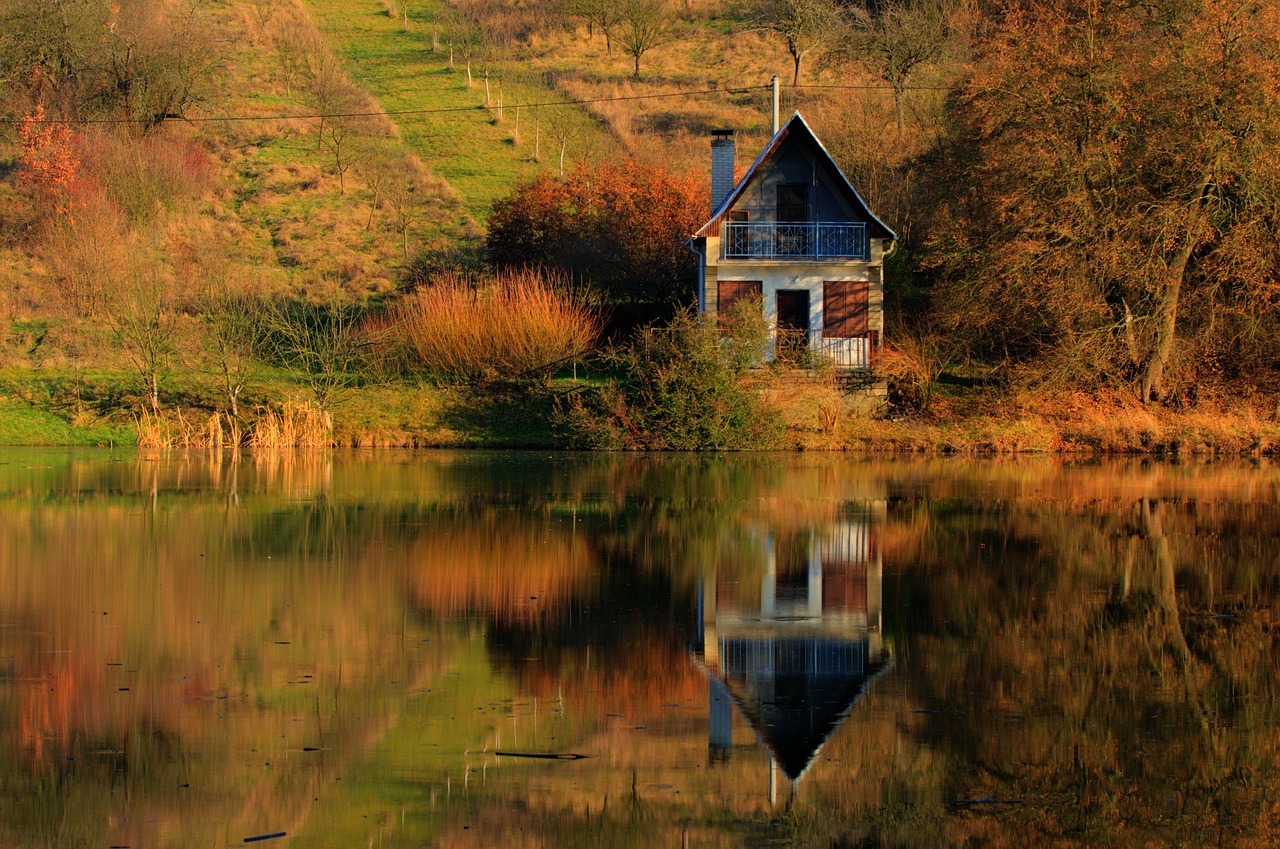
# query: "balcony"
(810, 348)
(815, 240)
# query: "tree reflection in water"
(198, 649)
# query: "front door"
(793, 324)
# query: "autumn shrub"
(912, 363)
(86, 248)
(620, 226)
(508, 325)
(144, 176)
(681, 387)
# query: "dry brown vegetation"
(510, 325)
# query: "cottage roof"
(798, 129)
(803, 709)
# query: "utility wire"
(389, 113)
(394, 112)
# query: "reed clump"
(510, 325)
(294, 425)
(177, 430)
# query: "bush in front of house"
(681, 387)
(511, 325)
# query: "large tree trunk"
(1165, 581)
(1167, 317)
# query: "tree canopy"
(1112, 190)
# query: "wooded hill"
(1087, 194)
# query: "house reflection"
(797, 649)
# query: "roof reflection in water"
(796, 653)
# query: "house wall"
(776, 275)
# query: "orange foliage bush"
(622, 226)
(48, 155)
(517, 573)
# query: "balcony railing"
(810, 240)
(808, 348)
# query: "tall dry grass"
(293, 426)
(176, 430)
(509, 325)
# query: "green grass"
(469, 149)
(23, 424)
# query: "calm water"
(529, 650)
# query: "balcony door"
(793, 234)
(793, 324)
(793, 202)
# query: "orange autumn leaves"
(1110, 203)
(621, 226)
(48, 155)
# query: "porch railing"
(807, 348)
(809, 240)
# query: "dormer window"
(793, 202)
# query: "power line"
(394, 112)
(389, 113)
(872, 87)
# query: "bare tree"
(468, 36)
(264, 11)
(234, 334)
(406, 197)
(342, 110)
(141, 313)
(326, 88)
(341, 138)
(806, 26)
(641, 26)
(599, 14)
(290, 48)
(322, 342)
(895, 41)
(375, 167)
(566, 124)
(158, 61)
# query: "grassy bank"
(62, 408)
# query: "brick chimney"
(721, 167)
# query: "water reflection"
(558, 650)
(796, 651)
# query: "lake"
(558, 650)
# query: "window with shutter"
(730, 292)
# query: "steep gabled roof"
(795, 127)
(800, 716)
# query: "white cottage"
(795, 236)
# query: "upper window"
(739, 216)
(793, 202)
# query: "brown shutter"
(844, 308)
(729, 292)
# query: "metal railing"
(750, 657)
(810, 240)
(808, 348)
